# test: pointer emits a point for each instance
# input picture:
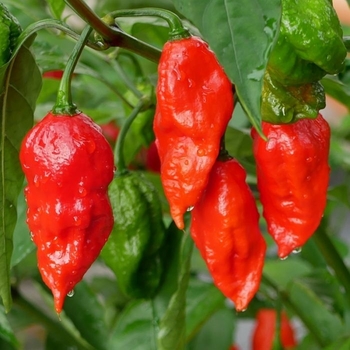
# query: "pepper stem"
(64, 104)
(177, 30)
(119, 147)
(111, 34)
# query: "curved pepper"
(265, 329)
(194, 106)
(133, 250)
(293, 174)
(68, 165)
(309, 44)
(10, 30)
(225, 228)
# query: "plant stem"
(113, 35)
(52, 326)
(120, 160)
(332, 257)
(129, 84)
(177, 31)
(286, 301)
(64, 104)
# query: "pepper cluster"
(194, 106)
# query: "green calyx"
(286, 104)
(310, 43)
(10, 30)
(134, 249)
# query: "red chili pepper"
(194, 106)
(293, 175)
(110, 131)
(53, 74)
(68, 165)
(225, 228)
(152, 158)
(265, 330)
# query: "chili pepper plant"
(171, 171)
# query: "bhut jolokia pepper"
(194, 106)
(225, 228)
(265, 329)
(68, 165)
(292, 177)
(309, 44)
(134, 249)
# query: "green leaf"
(242, 37)
(216, 333)
(283, 272)
(337, 89)
(6, 333)
(22, 243)
(341, 344)
(201, 293)
(172, 329)
(135, 328)
(56, 7)
(87, 314)
(17, 104)
(323, 324)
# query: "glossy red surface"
(225, 228)
(68, 165)
(293, 175)
(194, 105)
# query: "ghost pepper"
(292, 178)
(225, 228)
(194, 106)
(68, 165)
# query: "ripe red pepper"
(194, 105)
(152, 158)
(68, 165)
(293, 175)
(265, 330)
(225, 228)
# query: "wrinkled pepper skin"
(309, 44)
(68, 165)
(285, 104)
(225, 229)
(194, 106)
(10, 29)
(133, 251)
(265, 328)
(292, 177)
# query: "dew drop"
(36, 180)
(82, 191)
(309, 159)
(70, 293)
(186, 162)
(297, 250)
(284, 258)
(190, 208)
(201, 152)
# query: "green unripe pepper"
(134, 248)
(309, 44)
(285, 104)
(10, 30)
